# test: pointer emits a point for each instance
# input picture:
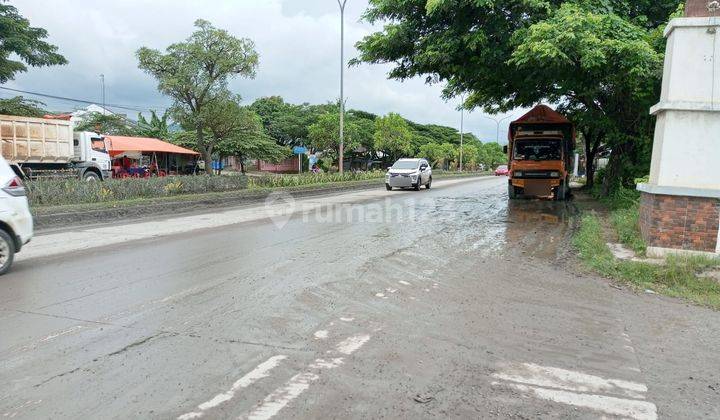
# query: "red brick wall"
(287, 166)
(687, 223)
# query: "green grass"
(627, 225)
(678, 278)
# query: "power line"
(83, 101)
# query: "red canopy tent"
(121, 148)
(118, 145)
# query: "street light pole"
(341, 159)
(102, 81)
(498, 122)
(462, 130)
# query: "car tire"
(429, 184)
(388, 187)
(91, 176)
(7, 252)
(418, 185)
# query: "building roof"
(118, 145)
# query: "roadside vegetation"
(677, 277)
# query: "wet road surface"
(441, 303)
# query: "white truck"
(37, 147)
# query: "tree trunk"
(242, 164)
(590, 153)
(208, 162)
(614, 170)
(206, 151)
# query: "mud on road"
(442, 303)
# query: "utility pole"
(102, 81)
(341, 159)
(462, 130)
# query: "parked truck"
(540, 152)
(37, 147)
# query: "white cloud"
(298, 42)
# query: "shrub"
(48, 192)
(275, 181)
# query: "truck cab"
(540, 151)
(91, 157)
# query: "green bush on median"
(50, 192)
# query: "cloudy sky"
(298, 42)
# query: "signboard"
(299, 150)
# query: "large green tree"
(238, 131)
(196, 72)
(393, 136)
(22, 107)
(108, 124)
(22, 45)
(601, 59)
(286, 123)
(324, 135)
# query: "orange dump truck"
(540, 151)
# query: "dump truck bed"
(36, 140)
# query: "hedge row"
(48, 192)
(310, 179)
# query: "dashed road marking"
(616, 397)
(261, 371)
(551, 377)
(404, 283)
(281, 397)
(630, 409)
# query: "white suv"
(409, 173)
(16, 223)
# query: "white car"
(409, 173)
(16, 223)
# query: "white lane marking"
(391, 291)
(325, 364)
(380, 295)
(632, 409)
(281, 397)
(321, 335)
(261, 371)
(404, 283)
(352, 344)
(347, 319)
(550, 377)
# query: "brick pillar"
(679, 223)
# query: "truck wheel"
(91, 176)
(7, 252)
(512, 192)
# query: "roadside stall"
(142, 157)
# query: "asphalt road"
(440, 303)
